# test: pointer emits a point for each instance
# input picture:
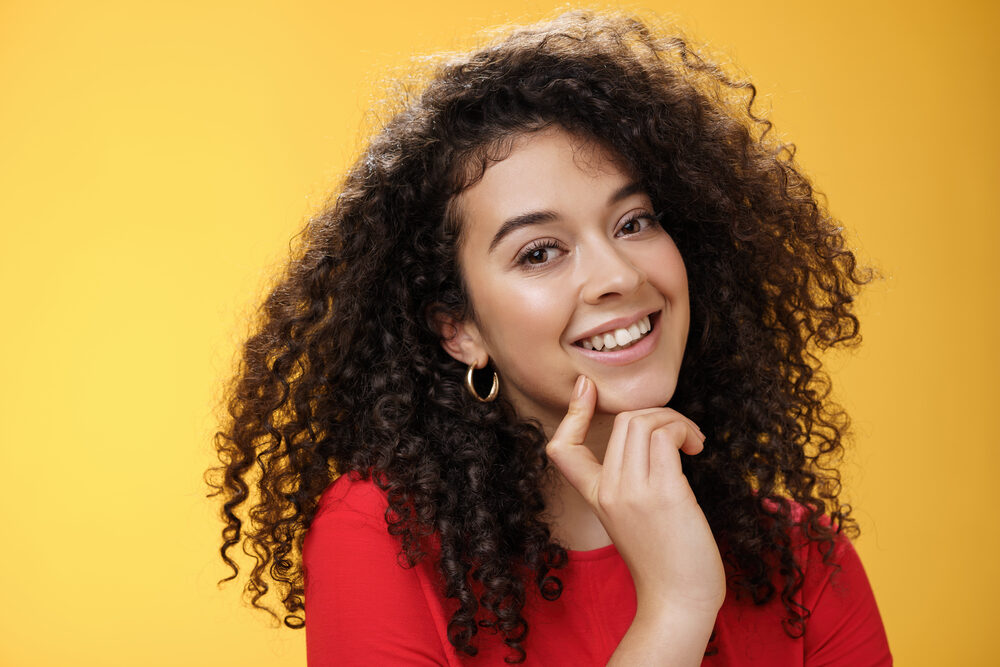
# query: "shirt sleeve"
(362, 606)
(845, 627)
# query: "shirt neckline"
(599, 553)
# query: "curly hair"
(344, 371)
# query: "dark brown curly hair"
(344, 371)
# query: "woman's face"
(561, 256)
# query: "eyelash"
(522, 259)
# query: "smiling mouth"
(619, 339)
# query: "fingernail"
(581, 382)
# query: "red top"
(363, 608)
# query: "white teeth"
(618, 337)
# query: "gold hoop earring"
(494, 390)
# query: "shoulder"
(350, 494)
(349, 529)
(843, 623)
(819, 559)
(797, 532)
(364, 605)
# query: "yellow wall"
(156, 157)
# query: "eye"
(638, 222)
(538, 253)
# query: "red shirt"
(363, 608)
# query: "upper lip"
(617, 323)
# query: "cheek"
(516, 312)
(522, 321)
(664, 268)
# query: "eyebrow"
(537, 217)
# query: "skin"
(535, 292)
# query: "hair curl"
(345, 372)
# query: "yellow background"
(156, 158)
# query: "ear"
(460, 338)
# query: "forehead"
(548, 169)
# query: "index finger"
(575, 461)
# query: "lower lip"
(629, 354)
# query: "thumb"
(575, 461)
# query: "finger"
(694, 441)
(566, 450)
(665, 472)
(664, 452)
(629, 442)
(670, 410)
(635, 458)
(574, 426)
(653, 418)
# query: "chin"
(611, 402)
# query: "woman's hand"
(647, 507)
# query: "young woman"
(541, 383)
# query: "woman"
(545, 368)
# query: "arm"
(845, 627)
(667, 638)
(362, 607)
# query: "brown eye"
(638, 223)
(631, 227)
(538, 256)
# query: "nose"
(608, 271)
